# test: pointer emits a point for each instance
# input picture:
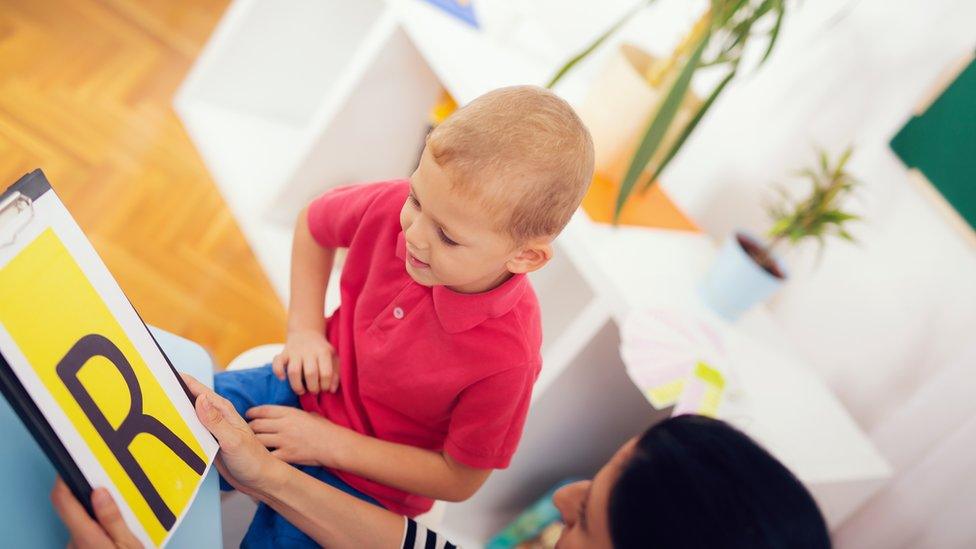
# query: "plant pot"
(616, 111)
(736, 281)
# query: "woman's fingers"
(195, 387)
(222, 420)
(209, 415)
(109, 531)
(227, 411)
(110, 518)
(84, 531)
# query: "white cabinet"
(293, 96)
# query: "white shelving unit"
(292, 97)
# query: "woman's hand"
(331, 517)
(297, 436)
(309, 362)
(109, 531)
(243, 461)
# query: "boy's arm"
(304, 438)
(311, 267)
(423, 472)
(307, 354)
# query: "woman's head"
(691, 481)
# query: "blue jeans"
(254, 387)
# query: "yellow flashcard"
(84, 357)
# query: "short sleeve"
(334, 217)
(486, 423)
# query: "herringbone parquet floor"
(85, 94)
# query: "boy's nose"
(414, 238)
(412, 244)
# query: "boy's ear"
(532, 257)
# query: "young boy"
(419, 384)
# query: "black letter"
(135, 422)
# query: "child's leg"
(269, 529)
(252, 387)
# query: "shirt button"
(397, 313)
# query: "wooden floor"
(86, 89)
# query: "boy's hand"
(308, 357)
(296, 436)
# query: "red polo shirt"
(424, 366)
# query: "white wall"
(874, 319)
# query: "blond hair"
(523, 152)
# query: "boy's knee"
(242, 388)
(252, 387)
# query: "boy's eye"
(414, 201)
(445, 239)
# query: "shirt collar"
(459, 312)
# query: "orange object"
(652, 208)
(445, 106)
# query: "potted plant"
(716, 41)
(747, 270)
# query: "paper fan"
(676, 358)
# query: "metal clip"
(16, 203)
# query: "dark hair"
(696, 482)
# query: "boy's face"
(452, 242)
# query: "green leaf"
(807, 172)
(837, 216)
(764, 8)
(774, 33)
(814, 228)
(780, 227)
(689, 127)
(726, 12)
(818, 215)
(719, 60)
(576, 59)
(659, 124)
(742, 30)
(842, 161)
(739, 34)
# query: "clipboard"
(86, 376)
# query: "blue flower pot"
(736, 282)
